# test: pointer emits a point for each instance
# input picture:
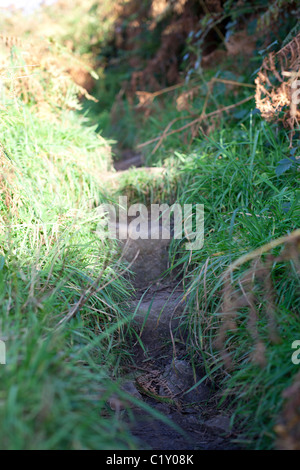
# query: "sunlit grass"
(59, 374)
(246, 205)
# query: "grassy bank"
(61, 286)
(248, 317)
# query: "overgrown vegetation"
(176, 81)
(247, 206)
(61, 286)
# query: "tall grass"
(247, 205)
(232, 168)
(62, 314)
(55, 384)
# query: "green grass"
(232, 171)
(246, 205)
(55, 385)
(58, 377)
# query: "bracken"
(274, 86)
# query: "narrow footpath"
(162, 375)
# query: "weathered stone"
(155, 313)
(220, 423)
(129, 160)
(180, 378)
(118, 403)
(152, 260)
(130, 388)
(162, 408)
(152, 250)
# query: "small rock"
(154, 313)
(162, 408)
(192, 420)
(118, 403)
(151, 246)
(130, 388)
(221, 423)
(180, 378)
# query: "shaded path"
(163, 374)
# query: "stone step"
(156, 314)
(114, 178)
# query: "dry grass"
(42, 74)
(254, 290)
(289, 428)
(274, 85)
(11, 200)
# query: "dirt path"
(163, 375)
